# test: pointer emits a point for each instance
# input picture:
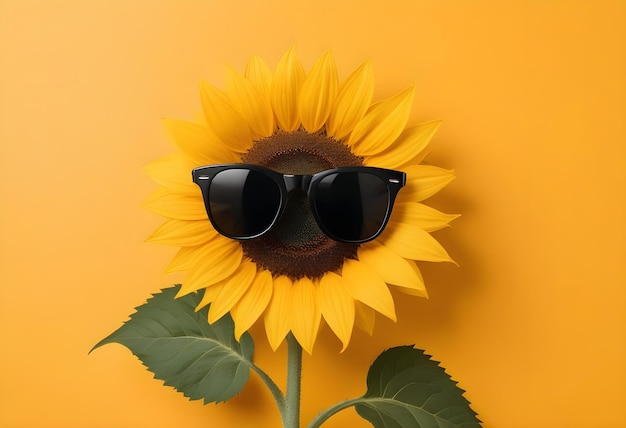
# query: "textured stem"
(276, 392)
(291, 418)
(323, 416)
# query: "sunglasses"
(351, 204)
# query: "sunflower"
(295, 276)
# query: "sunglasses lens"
(243, 203)
(352, 206)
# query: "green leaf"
(177, 344)
(406, 389)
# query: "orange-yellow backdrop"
(533, 98)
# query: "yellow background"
(533, 97)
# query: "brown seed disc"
(295, 246)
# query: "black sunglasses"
(351, 204)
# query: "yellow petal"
(253, 105)
(182, 207)
(285, 90)
(277, 314)
(353, 99)
(337, 306)
(211, 263)
(182, 259)
(233, 290)
(209, 295)
(366, 286)
(411, 142)
(413, 243)
(318, 93)
(420, 215)
(224, 120)
(195, 141)
(392, 268)
(183, 233)
(382, 124)
(305, 313)
(419, 292)
(253, 303)
(364, 317)
(174, 173)
(259, 74)
(423, 181)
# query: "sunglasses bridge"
(296, 182)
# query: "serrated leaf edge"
(243, 360)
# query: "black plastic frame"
(395, 180)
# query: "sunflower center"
(296, 246)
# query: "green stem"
(323, 416)
(291, 416)
(275, 390)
